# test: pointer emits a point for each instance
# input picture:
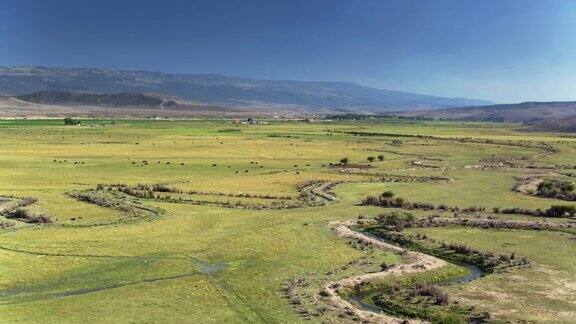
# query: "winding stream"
(363, 299)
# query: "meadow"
(219, 221)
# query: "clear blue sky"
(501, 50)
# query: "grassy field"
(224, 251)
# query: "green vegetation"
(69, 121)
(556, 189)
(391, 225)
(424, 301)
(223, 221)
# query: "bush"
(396, 219)
(561, 211)
(18, 213)
(387, 194)
(556, 189)
(438, 296)
(473, 209)
(163, 188)
(385, 266)
(27, 201)
(24, 216)
(38, 219)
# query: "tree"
(381, 157)
(344, 161)
(69, 121)
(371, 159)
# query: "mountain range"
(222, 90)
(52, 92)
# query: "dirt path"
(415, 262)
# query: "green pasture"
(206, 263)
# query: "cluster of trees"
(348, 116)
(282, 136)
(387, 199)
(345, 160)
(69, 121)
(556, 189)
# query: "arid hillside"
(522, 112)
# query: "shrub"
(24, 216)
(163, 188)
(38, 219)
(556, 189)
(561, 211)
(384, 266)
(27, 201)
(521, 211)
(344, 161)
(473, 209)
(387, 194)
(396, 219)
(18, 213)
(438, 296)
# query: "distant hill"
(70, 98)
(526, 112)
(558, 125)
(125, 105)
(221, 90)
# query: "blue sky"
(500, 50)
